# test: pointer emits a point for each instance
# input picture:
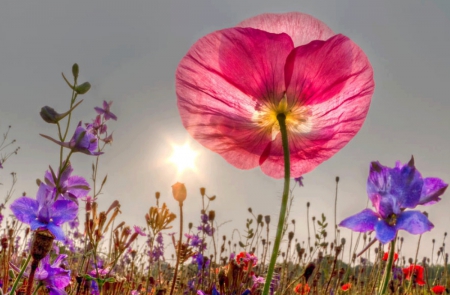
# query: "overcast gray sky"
(129, 51)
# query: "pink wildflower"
(232, 84)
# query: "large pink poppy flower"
(232, 84)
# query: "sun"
(183, 157)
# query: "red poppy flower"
(386, 256)
(438, 289)
(302, 289)
(415, 272)
(232, 84)
(245, 258)
(346, 287)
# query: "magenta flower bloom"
(70, 187)
(391, 191)
(106, 112)
(83, 140)
(232, 84)
(45, 212)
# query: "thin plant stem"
(387, 271)
(287, 171)
(19, 276)
(179, 250)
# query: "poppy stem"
(284, 201)
(387, 271)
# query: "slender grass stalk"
(387, 272)
(287, 173)
(179, 249)
(19, 276)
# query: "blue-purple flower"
(391, 191)
(45, 212)
(83, 140)
(70, 187)
(51, 275)
(106, 112)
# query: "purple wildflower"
(299, 180)
(45, 212)
(52, 276)
(106, 111)
(1, 166)
(139, 230)
(391, 191)
(83, 141)
(70, 187)
(97, 126)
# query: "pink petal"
(302, 28)
(333, 81)
(220, 83)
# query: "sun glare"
(183, 157)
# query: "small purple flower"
(97, 126)
(299, 180)
(106, 111)
(52, 276)
(1, 166)
(45, 212)
(139, 230)
(83, 141)
(70, 187)
(391, 191)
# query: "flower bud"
(75, 71)
(83, 88)
(179, 192)
(49, 115)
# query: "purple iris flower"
(52, 276)
(70, 187)
(106, 111)
(45, 212)
(391, 191)
(83, 141)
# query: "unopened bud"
(211, 215)
(179, 192)
(83, 88)
(75, 71)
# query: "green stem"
(387, 271)
(179, 250)
(37, 288)
(19, 276)
(287, 173)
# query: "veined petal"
(361, 222)
(329, 89)
(414, 222)
(25, 209)
(384, 232)
(302, 28)
(222, 83)
(63, 211)
(77, 186)
(432, 189)
(56, 230)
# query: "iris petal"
(414, 222)
(361, 222)
(384, 232)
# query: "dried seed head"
(202, 191)
(41, 244)
(211, 215)
(267, 219)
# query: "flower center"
(391, 219)
(297, 119)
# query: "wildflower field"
(281, 92)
